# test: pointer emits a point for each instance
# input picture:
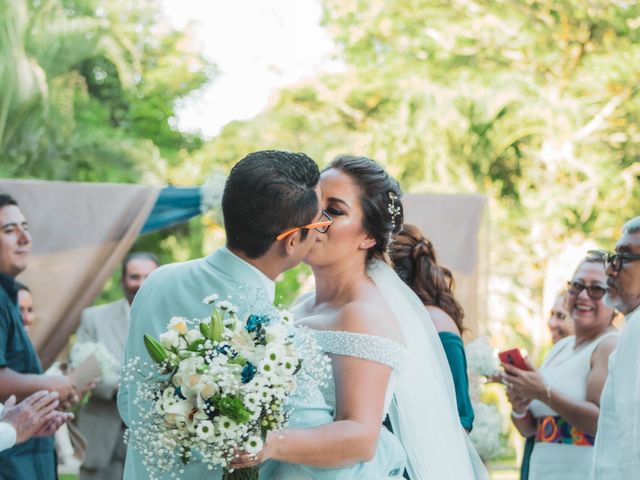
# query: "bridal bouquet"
(221, 386)
(107, 363)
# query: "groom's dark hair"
(268, 192)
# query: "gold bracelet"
(549, 395)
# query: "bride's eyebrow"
(338, 200)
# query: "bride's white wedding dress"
(389, 461)
(423, 410)
(420, 398)
(369, 347)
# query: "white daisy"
(210, 299)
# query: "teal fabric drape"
(175, 205)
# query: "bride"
(386, 355)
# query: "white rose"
(193, 335)
(208, 390)
(276, 333)
(180, 408)
(179, 324)
(177, 380)
(169, 339)
(191, 364)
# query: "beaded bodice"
(369, 347)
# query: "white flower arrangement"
(482, 358)
(109, 366)
(486, 435)
(220, 385)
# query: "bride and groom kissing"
(279, 210)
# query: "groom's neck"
(266, 264)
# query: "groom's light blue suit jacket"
(178, 290)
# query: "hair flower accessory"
(393, 209)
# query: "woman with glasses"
(559, 403)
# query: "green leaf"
(156, 350)
(193, 347)
(238, 360)
(232, 407)
(217, 327)
(205, 330)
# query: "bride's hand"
(242, 459)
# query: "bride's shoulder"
(369, 319)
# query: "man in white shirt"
(617, 446)
(35, 416)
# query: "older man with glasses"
(617, 446)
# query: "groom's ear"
(290, 242)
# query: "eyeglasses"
(595, 292)
(321, 226)
(614, 260)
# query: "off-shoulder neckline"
(386, 339)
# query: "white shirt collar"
(269, 285)
(633, 313)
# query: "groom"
(267, 194)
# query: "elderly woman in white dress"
(559, 403)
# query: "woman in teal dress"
(415, 262)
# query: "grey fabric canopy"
(81, 232)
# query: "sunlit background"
(533, 104)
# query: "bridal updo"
(380, 199)
(414, 260)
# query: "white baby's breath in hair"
(393, 209)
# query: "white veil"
(423, 412)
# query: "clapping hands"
(36, 415)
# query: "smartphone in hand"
(515, 357)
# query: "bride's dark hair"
(414, 260)
(380, 198)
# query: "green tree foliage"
(533, 103)
(91, 88)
